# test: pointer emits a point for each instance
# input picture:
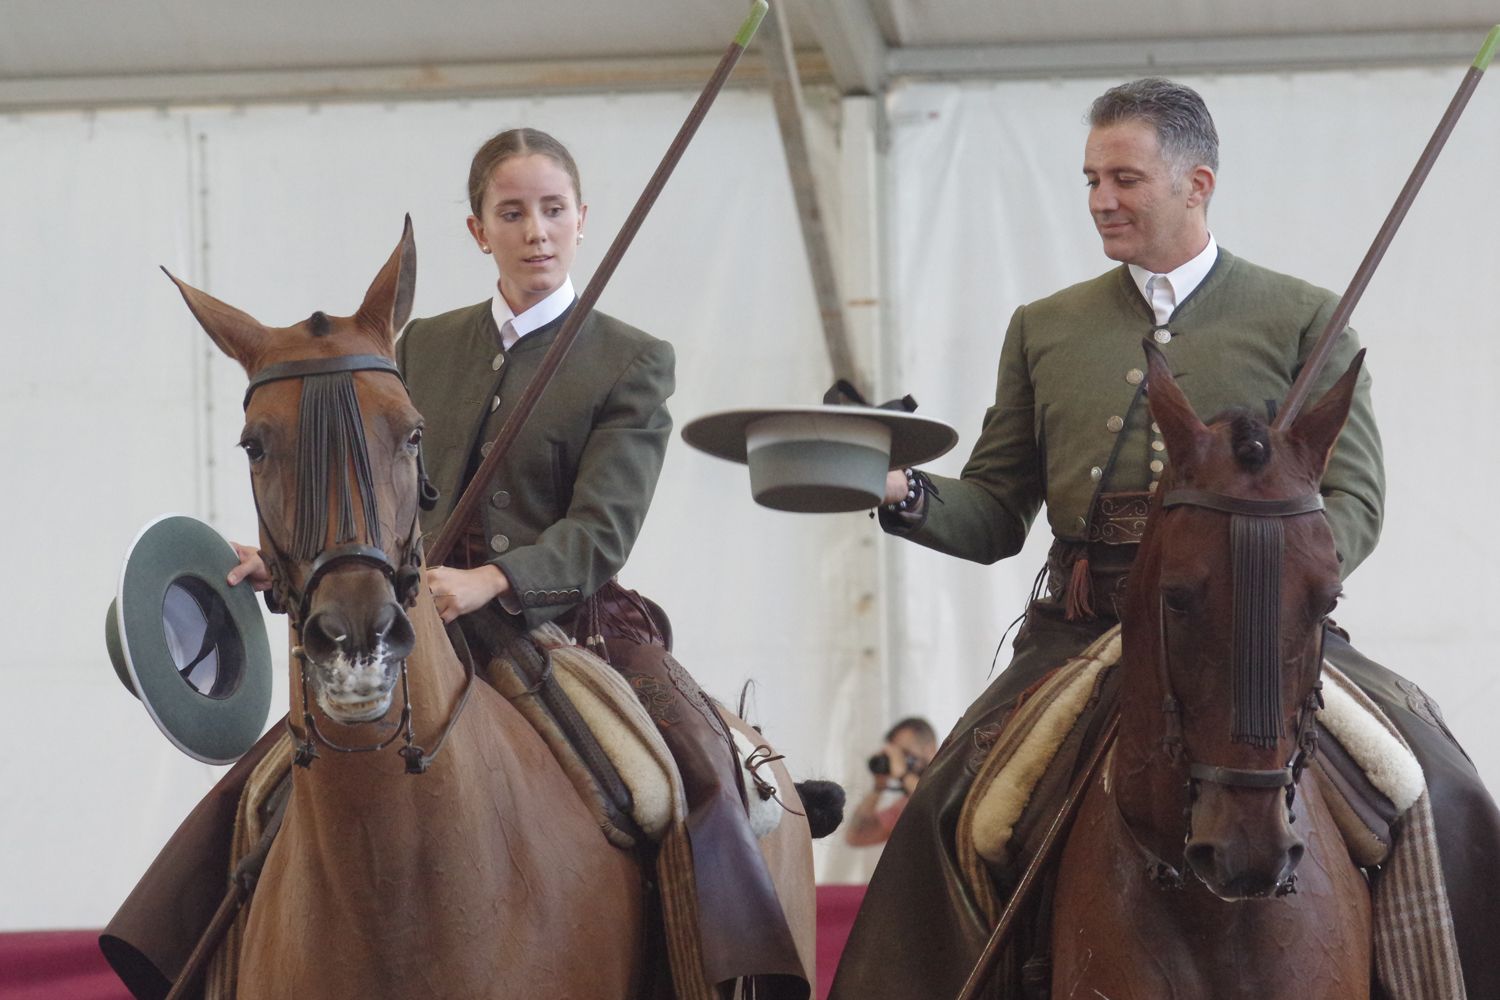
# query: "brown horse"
(467, 866)
(1204, 862)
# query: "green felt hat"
(192, 648)
(820, 459)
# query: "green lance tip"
(758, 13)
(1487, 50)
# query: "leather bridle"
(331, 424)
(1257, 545)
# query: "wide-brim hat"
(820, 459)
(192, 648)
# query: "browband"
(320, 366)
(1243, 505)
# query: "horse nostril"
(1203, 858)
(384, 619)
(324, 634)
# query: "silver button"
(1155, 427)
(1114, 424)
(1080, 523)
(499, 543)
(1163, 336)
(498, 362)
(494, 404)
(501, 499)
(486, 448)
(1134, 376)
(1158, 446)
(1157, 465)
(1095, 473)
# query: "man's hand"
(895, 486)
(459, 591)
(251, 567)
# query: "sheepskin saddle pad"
(594, 724)
(1370, 775)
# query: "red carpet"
(66, 965)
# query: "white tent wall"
(121, 409)
(989, 212)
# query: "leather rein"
(1256, 549)
(331, 423)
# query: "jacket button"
(1163, 336)
(486, 448)
(494, 404)
(500, 500)
(499, 543)
(1157, 465)
(1134, 376)
(1114, 424)
(1095, 473)
(498, 363)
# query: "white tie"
(508, 335)
(1162, 296)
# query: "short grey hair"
(1184, 128)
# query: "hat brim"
(914, 439)
(187, 558)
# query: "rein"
(331, 439)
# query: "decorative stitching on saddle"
(695, 697)
(984, 741)
(1422, 706)
(657, 698)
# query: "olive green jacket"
(569, 499)
(1070, 366)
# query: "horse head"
(1235, 578)
(333, 443)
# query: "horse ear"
(387, 304)
(238, 334)
(1317, 429)
(1180, 426)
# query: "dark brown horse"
(455, 859)
(1204, 862)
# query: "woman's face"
(531, 222)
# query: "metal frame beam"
(851, 41)
(1184, 55)
(376, 83)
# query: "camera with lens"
(881, 764)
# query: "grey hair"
(1184, 128)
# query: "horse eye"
(253, 449)
(414, 440)
(1177, 599)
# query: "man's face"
(1145, 215)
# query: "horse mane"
(1249, 437)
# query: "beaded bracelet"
(913, 492)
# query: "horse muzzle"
(355, 638)
(1241, 844)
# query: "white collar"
(1184, 279)
(538, 316)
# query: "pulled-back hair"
(517, 142)
(919, 727)
(1184, 128)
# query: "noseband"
(1256, 548)
(332, 428)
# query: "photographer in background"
(909, 747)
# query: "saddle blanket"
(1415, 952)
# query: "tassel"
(1080, 600)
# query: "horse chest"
(1118, 934)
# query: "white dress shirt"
(512, 327)
(1164, 291)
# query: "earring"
(580, 237)
(484, 249)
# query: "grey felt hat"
(192, 648)
(820, 459)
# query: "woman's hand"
(895, 486)
(459, 591)
(251, 567)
